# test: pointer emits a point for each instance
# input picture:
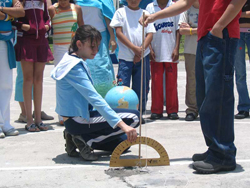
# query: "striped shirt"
(64, 25)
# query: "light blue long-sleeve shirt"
(75, 91)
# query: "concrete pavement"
(39, 160)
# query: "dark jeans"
(128, 69)
(240, 72)
(215, 98)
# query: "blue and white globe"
(122, 97)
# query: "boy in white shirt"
(129, 34)
(164, 58)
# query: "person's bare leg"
(27, 68)
(38, 90)
(23, 112)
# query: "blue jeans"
(128, 69)
(240, 72)
(215, 98)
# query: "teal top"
(107, 8)
(5, 26)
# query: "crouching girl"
(89, 121)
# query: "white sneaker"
(2, 135)
(12, 132)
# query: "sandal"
(42, 127)
(32, 128)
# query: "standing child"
(8, 10)
(240, 63)
(32, 49)
(89, 120)
(129, 34)
(98, 13)
(188, 27)
(164, 58)
(65, 18)
(19, 96)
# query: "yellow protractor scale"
(115, 160)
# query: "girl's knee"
(38, 80)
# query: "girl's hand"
(25, 27)
(131, 134)
(112, 44)
(46, 27)
(130, 131)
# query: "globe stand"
(115, 160)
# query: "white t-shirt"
(190, 17)
(93, 16)
(132, 29)
(164, 40)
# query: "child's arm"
(49, 3)
(80, 21)
(175, 9)
(230, 13)
(136, 49)
(112, 42)
(51, 10)
(148, 39)
(46, 17)
(152, 53)
(175, 54)
(2, 16)
(245, 14)
(16, 11)
(185, 29)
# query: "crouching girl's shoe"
(70, 147)
(85, 151)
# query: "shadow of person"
(104, 158)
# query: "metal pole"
(141, 93)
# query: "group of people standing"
(32, 51)
(84, 71)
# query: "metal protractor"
(115, 160)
